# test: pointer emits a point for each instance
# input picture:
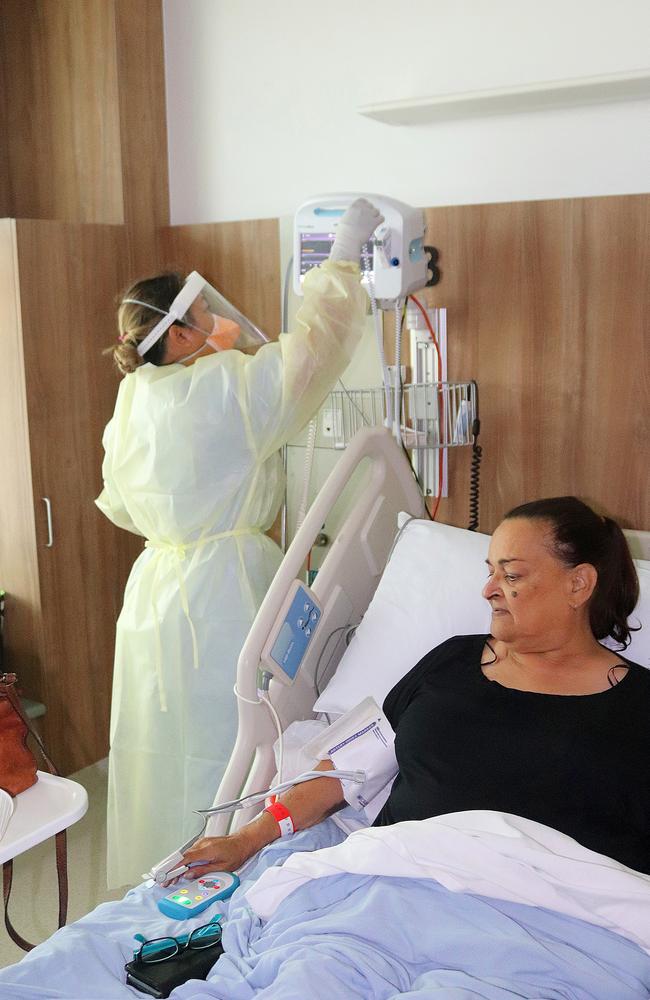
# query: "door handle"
(50, 533)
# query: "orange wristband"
(282, 816)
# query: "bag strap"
(7, 682)
(62, 876)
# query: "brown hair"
(579, 535)
(135, 321)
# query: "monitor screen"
(316, 247)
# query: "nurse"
(192, 464)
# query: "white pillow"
(430, 591)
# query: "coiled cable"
(474, 478)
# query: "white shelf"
(632, 86)
(51, 805)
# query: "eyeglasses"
(160, 949)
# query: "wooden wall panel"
(241, 258)
(18, 571)
(60, 111)
(69, 277)
(82, 115)
(548, 309)
(143, 125)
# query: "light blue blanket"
(348, 936)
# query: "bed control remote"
(190, 898)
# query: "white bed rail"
(344, 586)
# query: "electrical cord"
(309, 463)
(352, 403)
(358, 777)
(399, 389)
(341, 628)
(278, 726)
(263, 700)
(475, 471)
(474, 486)
(284, 324)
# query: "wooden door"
(70, 276)
(18, 563)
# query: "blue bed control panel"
(299, 623)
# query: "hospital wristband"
(282, 816)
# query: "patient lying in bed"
(538, 719)
(520, 754)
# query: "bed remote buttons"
(190, 898)
(299, 620)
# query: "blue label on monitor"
(296, 633)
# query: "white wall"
(262, 99)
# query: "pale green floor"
(34, 897)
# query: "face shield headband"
(209, 304)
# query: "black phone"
(158, 979)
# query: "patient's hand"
(224, 854)
(308, 804)
(227, 854)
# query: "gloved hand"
(355, 228)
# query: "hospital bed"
(540, 901)
(344, 589)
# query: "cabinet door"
(70, 276)
(18, 563)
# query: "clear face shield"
(199, 305)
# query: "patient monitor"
(393, 263)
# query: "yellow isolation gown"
(192, 464)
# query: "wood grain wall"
(18, 570)
(548, 309)
(241, 258)
(60, 111)
(68, 317)
(82, 115)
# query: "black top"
(578, 763)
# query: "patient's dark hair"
(579, 535)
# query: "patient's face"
(528, 589)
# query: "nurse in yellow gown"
(192, 464)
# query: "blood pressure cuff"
(363, 740)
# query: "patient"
(536, 719)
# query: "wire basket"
(433, 415)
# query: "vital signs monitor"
(393, 263)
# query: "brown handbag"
(18, 768)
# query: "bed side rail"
(344, 587)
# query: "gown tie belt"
(180, 550)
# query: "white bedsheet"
(487, 853)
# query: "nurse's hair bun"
(136, 319)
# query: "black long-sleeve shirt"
(578, 763)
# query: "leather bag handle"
(7, 682)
